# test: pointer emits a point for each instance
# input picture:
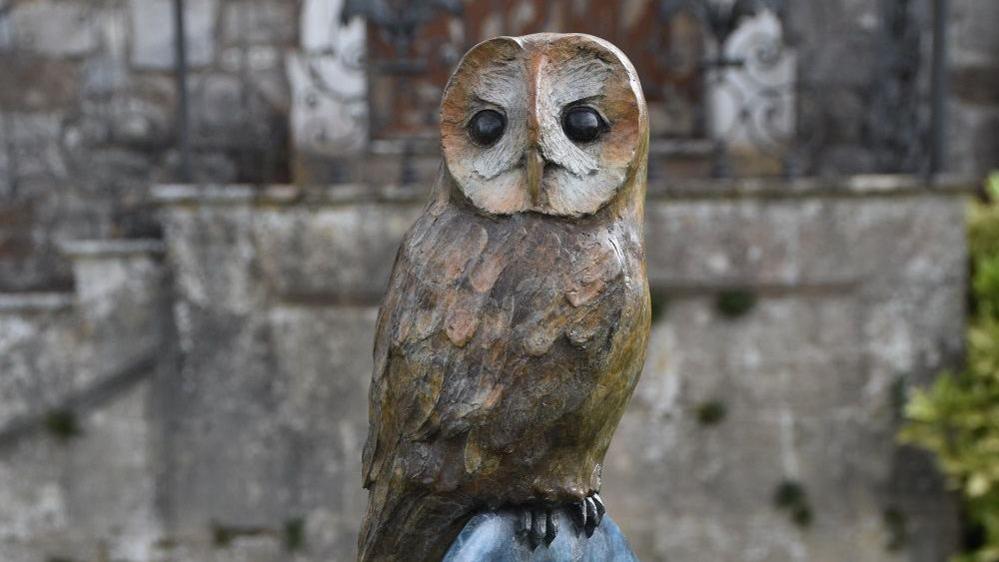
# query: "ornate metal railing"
(768, 86)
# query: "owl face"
(548, 123)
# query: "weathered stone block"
(788, 378)
(972, 35)
(325, 384)
(33, 83)
(58, 351)
(55, 502)
(153, 34)
(33, 502)
(217, 271)
(218, 107)
(973, 138)
(120, 303)
(64, 29)
(342, 253)
(260, 22)
(38, 350)
(976, 84)
(284, 405)
(36, 147)
(788, 241)
(116, 505)
(222, 415)
(104, 76)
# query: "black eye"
(486, 127)
(582, 124)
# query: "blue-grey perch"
(492, 537)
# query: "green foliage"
(992, 185)
(957, 418)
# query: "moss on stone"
(896, 526)
(791, 497)
(62, 424)
(294, 534)
(221, 536)
(735, 303)
(711, 412)
(660, 304)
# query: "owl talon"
(537, 526)
(579, 514)
(589, 513)
(601, 510)
(551, 526)
(591, 516)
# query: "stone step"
(34, 302)
(111, 248)
(59, 345)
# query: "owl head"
(548, 123)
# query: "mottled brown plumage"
(517, 315)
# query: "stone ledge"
(14, 303)
(111, 248)
(242, 194)
(354, 193)
(681, 148)
(875, 185)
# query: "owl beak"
(535, 168)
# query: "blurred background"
(200, 202)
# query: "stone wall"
(974, 86)
(200, 396)
(88, 116)
(791, 320)
(279, 92)
(79, 432)
(802, 391)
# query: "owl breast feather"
(492, 329)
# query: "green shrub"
(957, 418)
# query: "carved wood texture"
(506, 350)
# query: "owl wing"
(464, 334)
(384, 411)
(376, 392)
(408, 360)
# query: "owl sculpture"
(517, 314)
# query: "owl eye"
(486, 127)
(583, 124)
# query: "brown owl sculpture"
(517, 314)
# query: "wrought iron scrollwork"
(786, 115)
(771, 99)
(398, 20)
